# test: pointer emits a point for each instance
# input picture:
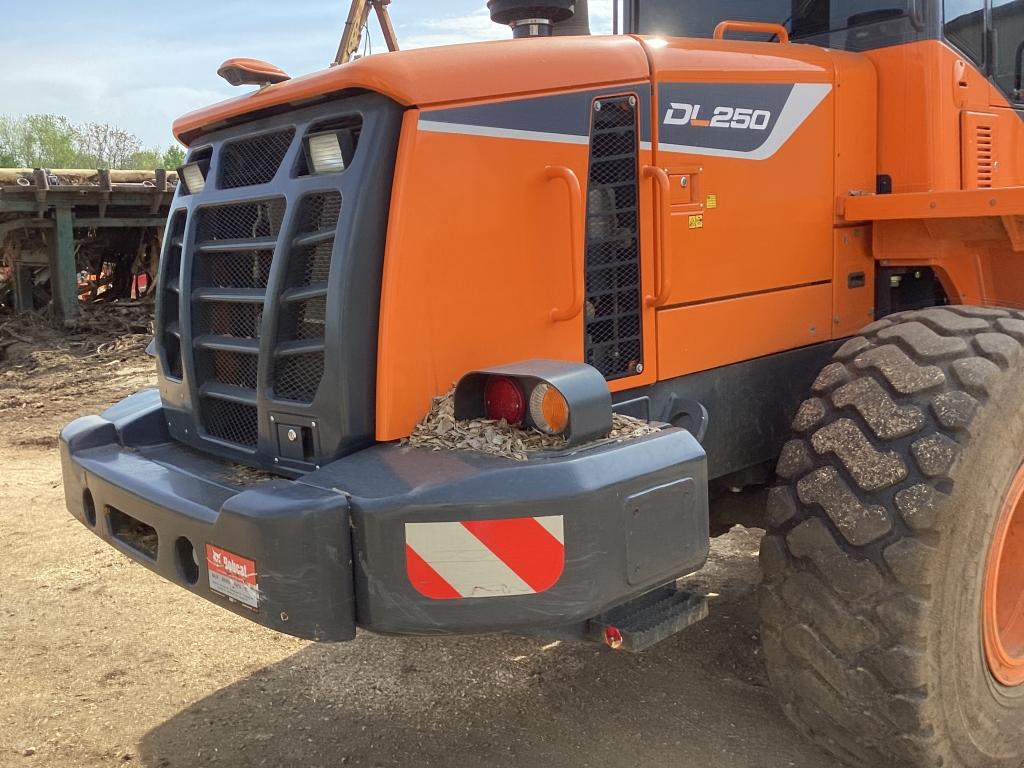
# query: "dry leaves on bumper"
(440, 431)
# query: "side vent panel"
(299, 351)
(978, 138)
(612, 327)
(170, 286)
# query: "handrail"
(752, 26)
(572, 184)
(662, 217)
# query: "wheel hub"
(1003, 612)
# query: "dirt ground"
(104, 664)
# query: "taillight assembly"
(568, 400)
(503, 399)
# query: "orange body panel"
(478, 255)
(455, 73)
(711, 334)
(922, 89)
(853, 284)
(759, 247)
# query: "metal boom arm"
(358, 15)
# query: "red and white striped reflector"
(485, 558)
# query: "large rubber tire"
(877, 543)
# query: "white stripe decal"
(803, 100)
(434, 126)
(463, 561)
(555, 525)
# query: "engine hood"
(447, 74)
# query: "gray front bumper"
(332, 549)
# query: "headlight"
(323, 150)
(194, 176)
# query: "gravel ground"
(104, 664)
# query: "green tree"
(53, 141)
(39, 141)
(174, 157)
(147, 159)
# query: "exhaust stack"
(536, 19)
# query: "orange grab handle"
(572, 183)
(751, 26)
(662, 216)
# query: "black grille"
(303, 320)
(254, 160)
(613, 334)
(241, 320)
(241, 221)
(231, 422)
(233, 269)
(171, 288)
(297, 377)
(303, 316)
(235, 368)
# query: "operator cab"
(990, 33)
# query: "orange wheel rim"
(1003, 620)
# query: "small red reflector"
(613, 638)
(503, 399)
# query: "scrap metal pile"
(440, 430)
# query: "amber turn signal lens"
(549, 410)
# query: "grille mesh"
(231, 422)
(241, 221)
(254, 160)
(613, 333)
(297, 376)
(242, 321)
(303, 320)
(235, 368)
(319, 212)
(233, 269)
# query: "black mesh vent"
(613, 340)
(297, 377)
(241, 221)
(241, 320)
(319, 212)
(171, 331)
(231, 422)
(303, 320)
(254, 160)
(235, 368)
(233, 269)
(310, 264)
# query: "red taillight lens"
(503, 399)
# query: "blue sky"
(139, 64)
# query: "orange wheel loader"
(788, 237)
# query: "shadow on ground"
(699, 699)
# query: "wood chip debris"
(440, 431)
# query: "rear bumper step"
(637, 625)
(401, 540)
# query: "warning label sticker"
(233, 576)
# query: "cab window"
(814, 17)
(698, 18)
(965, 26)
(1008, 57)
